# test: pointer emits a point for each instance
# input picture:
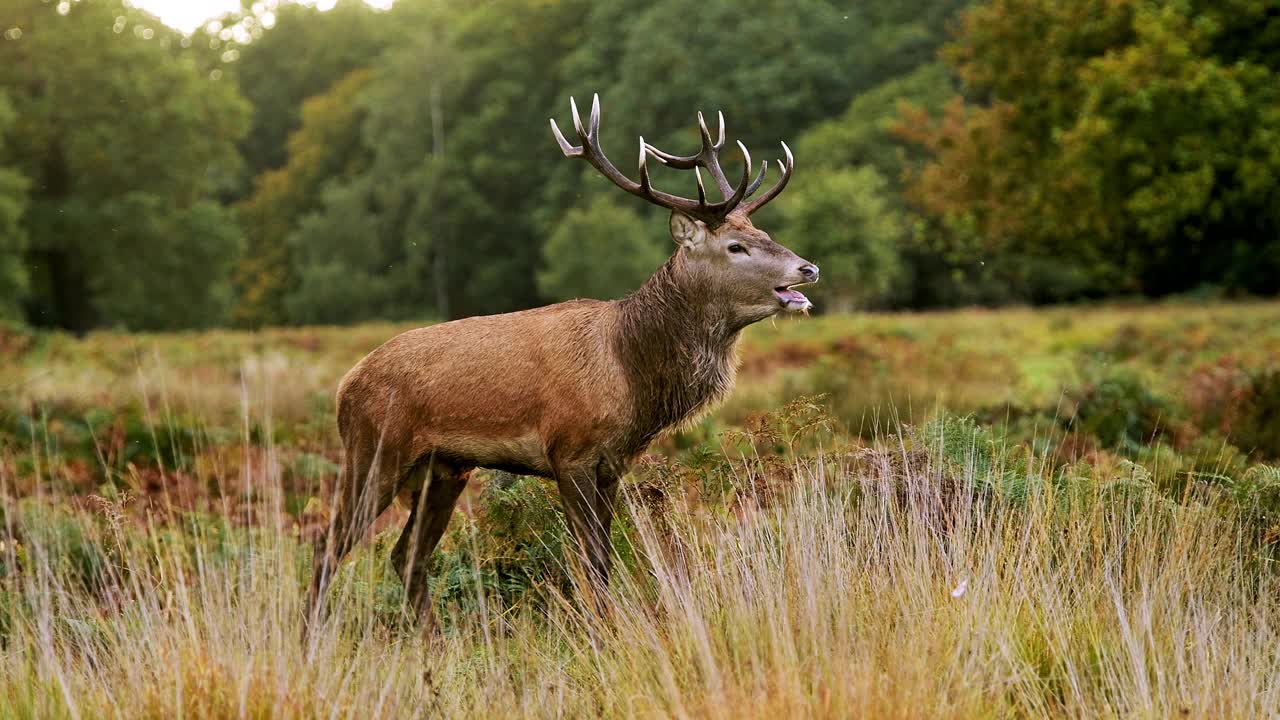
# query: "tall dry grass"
(878, 584)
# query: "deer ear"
(685, 230)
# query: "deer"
(574, 392)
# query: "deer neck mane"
(678, 348)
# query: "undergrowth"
(943, 570)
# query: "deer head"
(734, 262)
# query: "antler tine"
(590, 151)
(706, 134)
(787, 166)
(577, 121)
(568, 148)
(565, 147)
(593, 125)
(646, 185)
(732, 202)
(684, 162)
(702, 190)
(712, 151)
(755, 184)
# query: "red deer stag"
(574, 391)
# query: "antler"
(787, 166)
(708, 157)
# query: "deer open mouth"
(792, 299)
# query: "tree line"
(283, 165)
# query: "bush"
(1257, 492)
(961, 447)
(69, 544)
(102, 444)
(1119, 410)
(1239, 402)
(512, 545)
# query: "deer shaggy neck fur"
(678, 349)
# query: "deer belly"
(523, 454)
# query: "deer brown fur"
(574, 392)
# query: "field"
(1067, 512)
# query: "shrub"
(511, 545)
(1119, 410)
(68, 544)
(1257, 492)
(1259, 428)
(966, 449)
(1239, 402)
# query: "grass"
(1071, 529)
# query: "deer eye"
(737, 248)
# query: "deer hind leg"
(365, 489)
(432, 493)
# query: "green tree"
(937, 266)
(463, 185)
(303, 54)
(325, 150)
(773, 67)
(601, 251)
(1136, 140)
(846, 220)
(342, 274)
(13, 195)
(863, 133)
(155, 271)
(456, 219)
(123, 142)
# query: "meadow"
(1069, 512)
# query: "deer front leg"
(587, 493)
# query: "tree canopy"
(1135, 140)
(122, 143)
(284, 164)
(13, 201)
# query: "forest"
(1022, 461)
(284, 165)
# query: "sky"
(187, 15)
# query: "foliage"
(396, 163)
(305, 53)
(846, 218)
(452, 189)
(324, 151)
(103, 601)
(984, 457)
(150, 277)
(1257, 490)
(339, 280)
(1135, 140)
(1119, 410)
(1238, 401)
(513, 547)
(601, 251)
(109, 190)
(863, 133)
(13, 201)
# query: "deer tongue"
(792, 298)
